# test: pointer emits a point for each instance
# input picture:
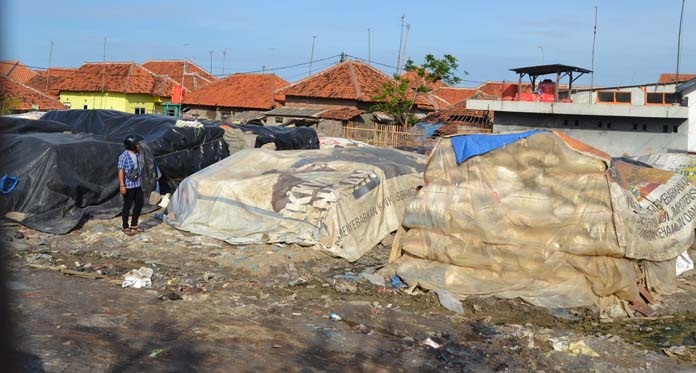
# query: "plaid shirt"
(125, 163)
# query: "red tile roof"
(249, 91)
(671, 78)
(57, 78)
(121, 77)
(194, 78)
(429, 101)
(454, 95)
(341, 113)
(351, 80)
(24, 96)
(500, 89)
(16, 71)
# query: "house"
(672, 78)
(336, 93)
(50, 81)
(17, 97)
(634, 120)
(123, 86)
(184, 72)
(238, 97)
(16, 71)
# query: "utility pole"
(311, 56)
(369, 49)
(594, 39)
(211, 62)
(681, 18)
(103, 74)
(48, 71)
(401, 40)
(224, 58)
(542, 53)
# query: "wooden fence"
(394, 136)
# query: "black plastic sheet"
(297, 138)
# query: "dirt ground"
(218, 307)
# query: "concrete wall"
(219, 113)
(690, 97)
(312, 102)
(112, 101)
(638, 94)
(614, 135)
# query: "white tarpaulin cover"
(541, 216)
(343, 200)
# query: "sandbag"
(343, 200)
(546, 218)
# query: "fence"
(395, 136)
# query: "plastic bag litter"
(449, 301)
(138, 278)
(684, 263)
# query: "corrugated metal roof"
(296, 112)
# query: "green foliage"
(8, 105)
(396, 100)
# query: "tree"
(397, 98)
(8, 105)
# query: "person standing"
(130, 167)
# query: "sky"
(636, 39)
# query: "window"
(84, 107)
(665, 129)
(675, 129)
(170, 112)
(660, 98)
(635, 126)
(140, 110)
(279, 120)
(613, 97)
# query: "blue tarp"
(429, 128)
(467, 146)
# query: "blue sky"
(636, 39)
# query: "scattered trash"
(207, 276)
(158, 351)
(299, 281)
(138, 278)
(335, 317)
(397, 283)
(576, 348)
(277, 346)
(346, 287)
(684, 263)
(373, 278)
(449, 301)
(676, 351)
(431, 343)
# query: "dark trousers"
(133, 196)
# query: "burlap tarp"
(344, 201)
(548, 219)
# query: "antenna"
(403, 52)
(369, 48)
(311, 56)
(48, 71)
(681, 18)
(594, 38)
(401, 40)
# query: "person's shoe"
(128, 231)
(138, 229)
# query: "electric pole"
(681, 18)
(224, 57)
(594, 39)
(311, 56)
(211, 62)
(48, 71)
